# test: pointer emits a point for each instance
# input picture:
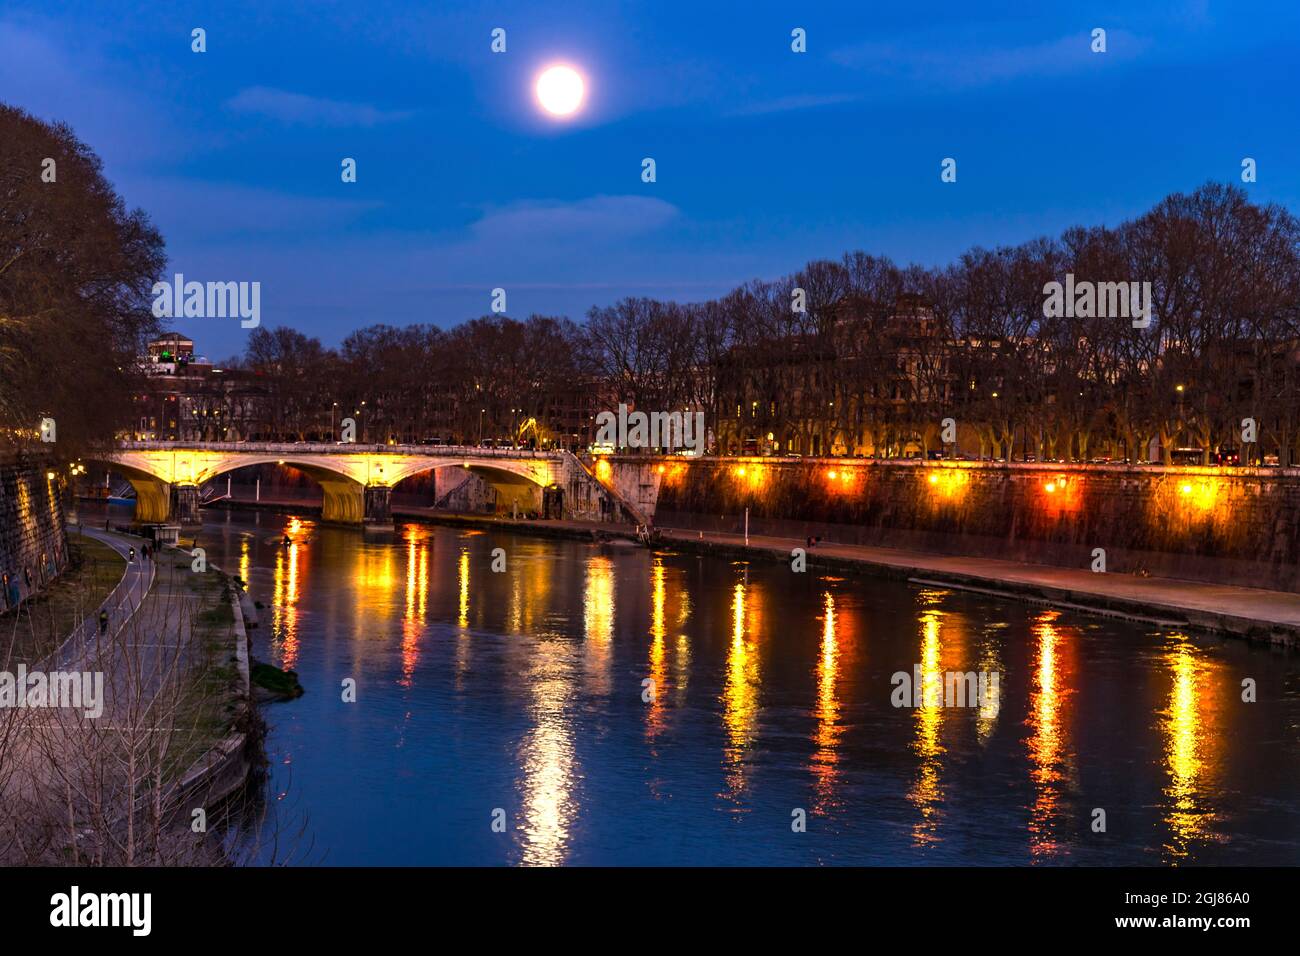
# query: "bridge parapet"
(346, 448)
(350, 474)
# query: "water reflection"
(284, 604)
(462, 577)
(546, 756)
(598, 618)
(679, 596)
(1048, 745)
(417, 600)
(990, 705)
(926, 795)
(740, 693)
(658, 638)
(377, 585)
(526, 685)
(825, 759)
(1189, 725)
(462, 618)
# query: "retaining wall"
(33, 539)
(1238, 525)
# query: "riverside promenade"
(1254, 613)
(1247, 612)
(121, 604)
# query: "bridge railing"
(345, 448)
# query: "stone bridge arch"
(152, 493)
(356, 481)
(167, 483)
(518, 485)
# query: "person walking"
(103, 621)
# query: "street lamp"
(481, 413)
(1178, 439)
(333, 414)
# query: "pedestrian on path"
(103, 621)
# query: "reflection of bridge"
(357, 479)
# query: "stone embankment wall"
(224, 769)
(1238, 525)
(33, 539)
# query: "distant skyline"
(765, 158)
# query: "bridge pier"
(344, 502)
(185, 504)
(553, 502)
(378, 507)
(153, 500)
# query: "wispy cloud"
(298, 108)
(597, 218)
(979, 64)
(219, 211)
(785, 104)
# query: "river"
(519, 698)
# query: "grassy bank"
(39, 626)
(208, 707)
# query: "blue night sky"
(766, 158)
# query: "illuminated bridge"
(358, 479)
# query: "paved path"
(1198, 604)
(147, 696)
(1270, 615)
(1256, 612)
(121, 603)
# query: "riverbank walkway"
(1256, 613)
(1249, 612)
(121, 604)
(1238, 610)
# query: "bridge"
(358, 479)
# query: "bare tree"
(76, 273)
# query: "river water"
(768, 736)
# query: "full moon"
(560, 90)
